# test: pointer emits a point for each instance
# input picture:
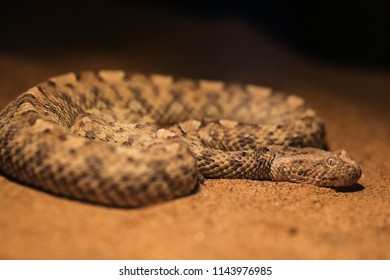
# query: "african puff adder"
(123, 139)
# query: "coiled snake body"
(123, 139)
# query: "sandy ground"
(225, 219)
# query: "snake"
(125, 139)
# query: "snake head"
(315, 166)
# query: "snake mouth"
(343, 176)
(348, 180)
(355, 177)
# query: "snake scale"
(126, 139)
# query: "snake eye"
(331, 161)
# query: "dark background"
(351, 32)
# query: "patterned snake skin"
(123, 139)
